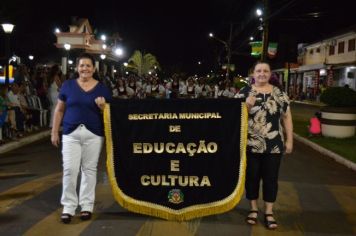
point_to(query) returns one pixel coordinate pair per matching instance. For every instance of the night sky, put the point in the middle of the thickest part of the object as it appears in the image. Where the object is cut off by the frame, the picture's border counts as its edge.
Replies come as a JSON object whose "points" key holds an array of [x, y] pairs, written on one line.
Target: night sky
{"points": [[176, 32]]}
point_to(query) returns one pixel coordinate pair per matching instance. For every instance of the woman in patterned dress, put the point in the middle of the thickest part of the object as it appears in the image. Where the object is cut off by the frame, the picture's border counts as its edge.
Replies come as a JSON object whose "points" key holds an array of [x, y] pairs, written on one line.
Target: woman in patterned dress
{"points": [[270, 134]]}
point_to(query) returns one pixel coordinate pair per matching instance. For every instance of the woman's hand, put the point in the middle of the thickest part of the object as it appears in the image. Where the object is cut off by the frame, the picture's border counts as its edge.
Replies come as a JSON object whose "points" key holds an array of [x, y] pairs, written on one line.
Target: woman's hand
{"points": [[288, 146], [100, 102], [250, 101], [55, 139]]}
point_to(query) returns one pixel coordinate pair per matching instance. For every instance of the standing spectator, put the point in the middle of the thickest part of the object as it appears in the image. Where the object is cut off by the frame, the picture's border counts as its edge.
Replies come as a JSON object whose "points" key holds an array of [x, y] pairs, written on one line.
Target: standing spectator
{"points": [[3, 109], [15, 104], [268, 109], [80, 104], [55, 82], [41, 87]]}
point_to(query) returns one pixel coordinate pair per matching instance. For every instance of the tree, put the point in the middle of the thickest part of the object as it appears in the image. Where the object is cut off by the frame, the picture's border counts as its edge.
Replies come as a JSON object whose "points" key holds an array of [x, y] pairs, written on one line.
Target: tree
{"points": [[143, 64]]}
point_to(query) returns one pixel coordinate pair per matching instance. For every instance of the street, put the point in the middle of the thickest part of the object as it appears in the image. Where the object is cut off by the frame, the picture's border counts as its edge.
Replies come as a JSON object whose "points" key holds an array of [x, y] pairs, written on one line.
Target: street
{"points": [[316, 197]]}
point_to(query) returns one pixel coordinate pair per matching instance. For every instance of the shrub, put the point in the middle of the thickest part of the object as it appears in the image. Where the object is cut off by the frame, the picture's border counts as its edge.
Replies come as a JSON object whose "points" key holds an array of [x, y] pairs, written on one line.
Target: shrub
{"points": [[339, 97]]}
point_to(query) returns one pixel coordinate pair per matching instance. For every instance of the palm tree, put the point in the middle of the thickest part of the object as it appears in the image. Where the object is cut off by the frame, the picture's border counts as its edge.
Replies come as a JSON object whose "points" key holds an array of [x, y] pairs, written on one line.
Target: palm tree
{"points": [[142, 64]]}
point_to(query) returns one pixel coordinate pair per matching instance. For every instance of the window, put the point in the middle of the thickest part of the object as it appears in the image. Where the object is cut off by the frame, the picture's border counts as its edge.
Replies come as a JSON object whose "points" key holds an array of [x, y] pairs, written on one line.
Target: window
{"points": [[318, 50], [341, 47], [331, 50], [311, 51], [351, 45]]}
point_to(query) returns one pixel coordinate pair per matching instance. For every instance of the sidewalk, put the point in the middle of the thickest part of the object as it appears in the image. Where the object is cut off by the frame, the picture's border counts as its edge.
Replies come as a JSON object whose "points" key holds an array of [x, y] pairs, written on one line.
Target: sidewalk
{"points": [[29, 138], [326, 152], [46, 133]]}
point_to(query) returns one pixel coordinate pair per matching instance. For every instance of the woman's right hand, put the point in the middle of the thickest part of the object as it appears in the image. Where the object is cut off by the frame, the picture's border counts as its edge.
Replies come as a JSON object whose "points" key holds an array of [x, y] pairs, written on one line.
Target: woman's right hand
{"points": [[250, 101], [55, 139]]}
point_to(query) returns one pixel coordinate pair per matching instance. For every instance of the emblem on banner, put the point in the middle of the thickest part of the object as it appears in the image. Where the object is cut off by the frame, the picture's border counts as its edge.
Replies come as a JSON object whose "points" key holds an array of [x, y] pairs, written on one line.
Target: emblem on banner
{"points": [[175, 196]]}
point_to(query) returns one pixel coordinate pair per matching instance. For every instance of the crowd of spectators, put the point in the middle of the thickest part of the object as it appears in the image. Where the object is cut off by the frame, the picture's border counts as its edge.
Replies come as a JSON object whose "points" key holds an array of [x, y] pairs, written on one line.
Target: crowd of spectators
{"points": [[27, 104]]}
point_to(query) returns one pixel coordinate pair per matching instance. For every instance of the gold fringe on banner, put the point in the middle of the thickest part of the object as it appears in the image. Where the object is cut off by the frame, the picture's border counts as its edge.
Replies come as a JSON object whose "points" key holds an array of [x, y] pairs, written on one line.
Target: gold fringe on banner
{"points": [[187, 213]]}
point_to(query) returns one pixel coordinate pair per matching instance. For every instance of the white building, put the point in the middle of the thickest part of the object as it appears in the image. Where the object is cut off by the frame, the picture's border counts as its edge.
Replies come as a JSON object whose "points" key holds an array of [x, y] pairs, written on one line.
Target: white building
{"points": [[81, 38], [330, 62]]}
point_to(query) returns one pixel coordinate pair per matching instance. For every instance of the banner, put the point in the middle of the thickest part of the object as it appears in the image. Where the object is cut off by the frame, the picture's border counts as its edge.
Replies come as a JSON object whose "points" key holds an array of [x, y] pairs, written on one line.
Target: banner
{"points": [[272, 50], [257, 47], [176, 159], [3, 74]]}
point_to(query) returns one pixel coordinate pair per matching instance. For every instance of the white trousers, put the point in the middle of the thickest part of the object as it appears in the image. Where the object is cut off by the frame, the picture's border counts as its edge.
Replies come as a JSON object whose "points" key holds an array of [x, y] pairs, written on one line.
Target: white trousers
{"points": [[81, 151]]}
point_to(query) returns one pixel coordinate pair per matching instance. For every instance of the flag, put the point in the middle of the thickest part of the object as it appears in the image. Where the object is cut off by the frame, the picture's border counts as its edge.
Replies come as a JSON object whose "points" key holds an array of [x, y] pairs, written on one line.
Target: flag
{"points": [[176, 159]]}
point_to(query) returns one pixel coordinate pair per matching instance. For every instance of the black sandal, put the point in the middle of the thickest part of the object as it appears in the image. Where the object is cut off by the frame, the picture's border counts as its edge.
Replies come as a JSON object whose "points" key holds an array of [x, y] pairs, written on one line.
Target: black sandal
{"points": [[269, 223], [66, 218], [85, 215], [253, 219]]}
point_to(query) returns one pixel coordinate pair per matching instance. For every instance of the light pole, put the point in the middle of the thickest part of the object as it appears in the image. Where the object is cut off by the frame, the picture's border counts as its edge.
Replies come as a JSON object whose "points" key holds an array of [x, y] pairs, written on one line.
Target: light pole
{"points": [[119, 52], [8, 28], [265, 26], [227, 48]]}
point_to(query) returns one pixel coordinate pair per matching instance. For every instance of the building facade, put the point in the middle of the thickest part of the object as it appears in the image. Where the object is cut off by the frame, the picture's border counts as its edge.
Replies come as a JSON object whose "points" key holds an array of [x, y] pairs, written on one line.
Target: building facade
{"points": [[329, 62]]}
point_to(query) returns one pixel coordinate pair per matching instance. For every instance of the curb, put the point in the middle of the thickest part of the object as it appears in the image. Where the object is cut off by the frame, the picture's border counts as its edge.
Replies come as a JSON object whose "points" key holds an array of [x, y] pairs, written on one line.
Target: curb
{"points": [[316, 104], [24, 141], [326, 152]]}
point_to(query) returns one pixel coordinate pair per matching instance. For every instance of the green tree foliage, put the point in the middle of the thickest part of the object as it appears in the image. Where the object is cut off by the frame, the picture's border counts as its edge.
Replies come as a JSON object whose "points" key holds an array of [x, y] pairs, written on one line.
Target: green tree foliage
{"points": [[141, 64]]}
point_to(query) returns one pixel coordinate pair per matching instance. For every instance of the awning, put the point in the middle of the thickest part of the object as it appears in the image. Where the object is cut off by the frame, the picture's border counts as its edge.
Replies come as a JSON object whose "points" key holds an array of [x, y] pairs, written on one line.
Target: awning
{"points": [[312, 67]]}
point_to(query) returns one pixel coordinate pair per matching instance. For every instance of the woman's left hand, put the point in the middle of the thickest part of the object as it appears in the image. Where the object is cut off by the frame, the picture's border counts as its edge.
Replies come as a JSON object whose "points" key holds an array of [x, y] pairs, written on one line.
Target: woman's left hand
{"points": [[100, 102], [288, 147]]}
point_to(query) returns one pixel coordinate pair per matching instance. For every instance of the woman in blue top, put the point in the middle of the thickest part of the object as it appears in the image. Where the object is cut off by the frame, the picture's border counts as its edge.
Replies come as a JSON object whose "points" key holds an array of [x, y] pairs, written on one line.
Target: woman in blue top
{"points": [[79, 107]]}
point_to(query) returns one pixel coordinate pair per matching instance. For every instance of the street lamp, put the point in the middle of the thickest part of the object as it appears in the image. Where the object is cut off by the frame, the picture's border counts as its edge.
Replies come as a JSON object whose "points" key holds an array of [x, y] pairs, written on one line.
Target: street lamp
{"points": [[8, 28], [259, 12], [118, 51]]}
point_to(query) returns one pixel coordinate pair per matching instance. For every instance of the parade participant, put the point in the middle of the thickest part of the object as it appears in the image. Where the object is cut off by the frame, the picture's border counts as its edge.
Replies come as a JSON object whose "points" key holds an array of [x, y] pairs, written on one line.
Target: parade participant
{"points": [[202, 89], [122, 91], [155, 89], [269, 113], [80, 104], [189, 90]]}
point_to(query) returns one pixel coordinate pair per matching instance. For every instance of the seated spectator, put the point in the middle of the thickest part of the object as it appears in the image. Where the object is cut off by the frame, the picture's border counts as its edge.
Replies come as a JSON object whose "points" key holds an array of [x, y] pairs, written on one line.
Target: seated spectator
{"points": [[315, 127], [14, 103]]}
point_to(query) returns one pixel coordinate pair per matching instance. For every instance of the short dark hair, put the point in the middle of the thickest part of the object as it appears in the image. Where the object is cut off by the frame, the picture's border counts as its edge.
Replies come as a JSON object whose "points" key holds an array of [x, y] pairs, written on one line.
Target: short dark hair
{"points": [[261, 62], [86, 56]]}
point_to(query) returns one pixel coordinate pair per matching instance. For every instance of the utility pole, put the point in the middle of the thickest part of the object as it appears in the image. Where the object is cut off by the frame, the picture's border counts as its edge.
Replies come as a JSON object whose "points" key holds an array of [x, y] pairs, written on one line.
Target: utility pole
{"points": [[265, 30], [227, 45], [228, 49]]}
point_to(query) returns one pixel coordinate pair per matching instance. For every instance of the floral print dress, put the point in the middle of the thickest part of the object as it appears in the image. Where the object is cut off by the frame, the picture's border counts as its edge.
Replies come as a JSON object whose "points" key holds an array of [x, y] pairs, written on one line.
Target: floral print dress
{"points": [[265, 130]]}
